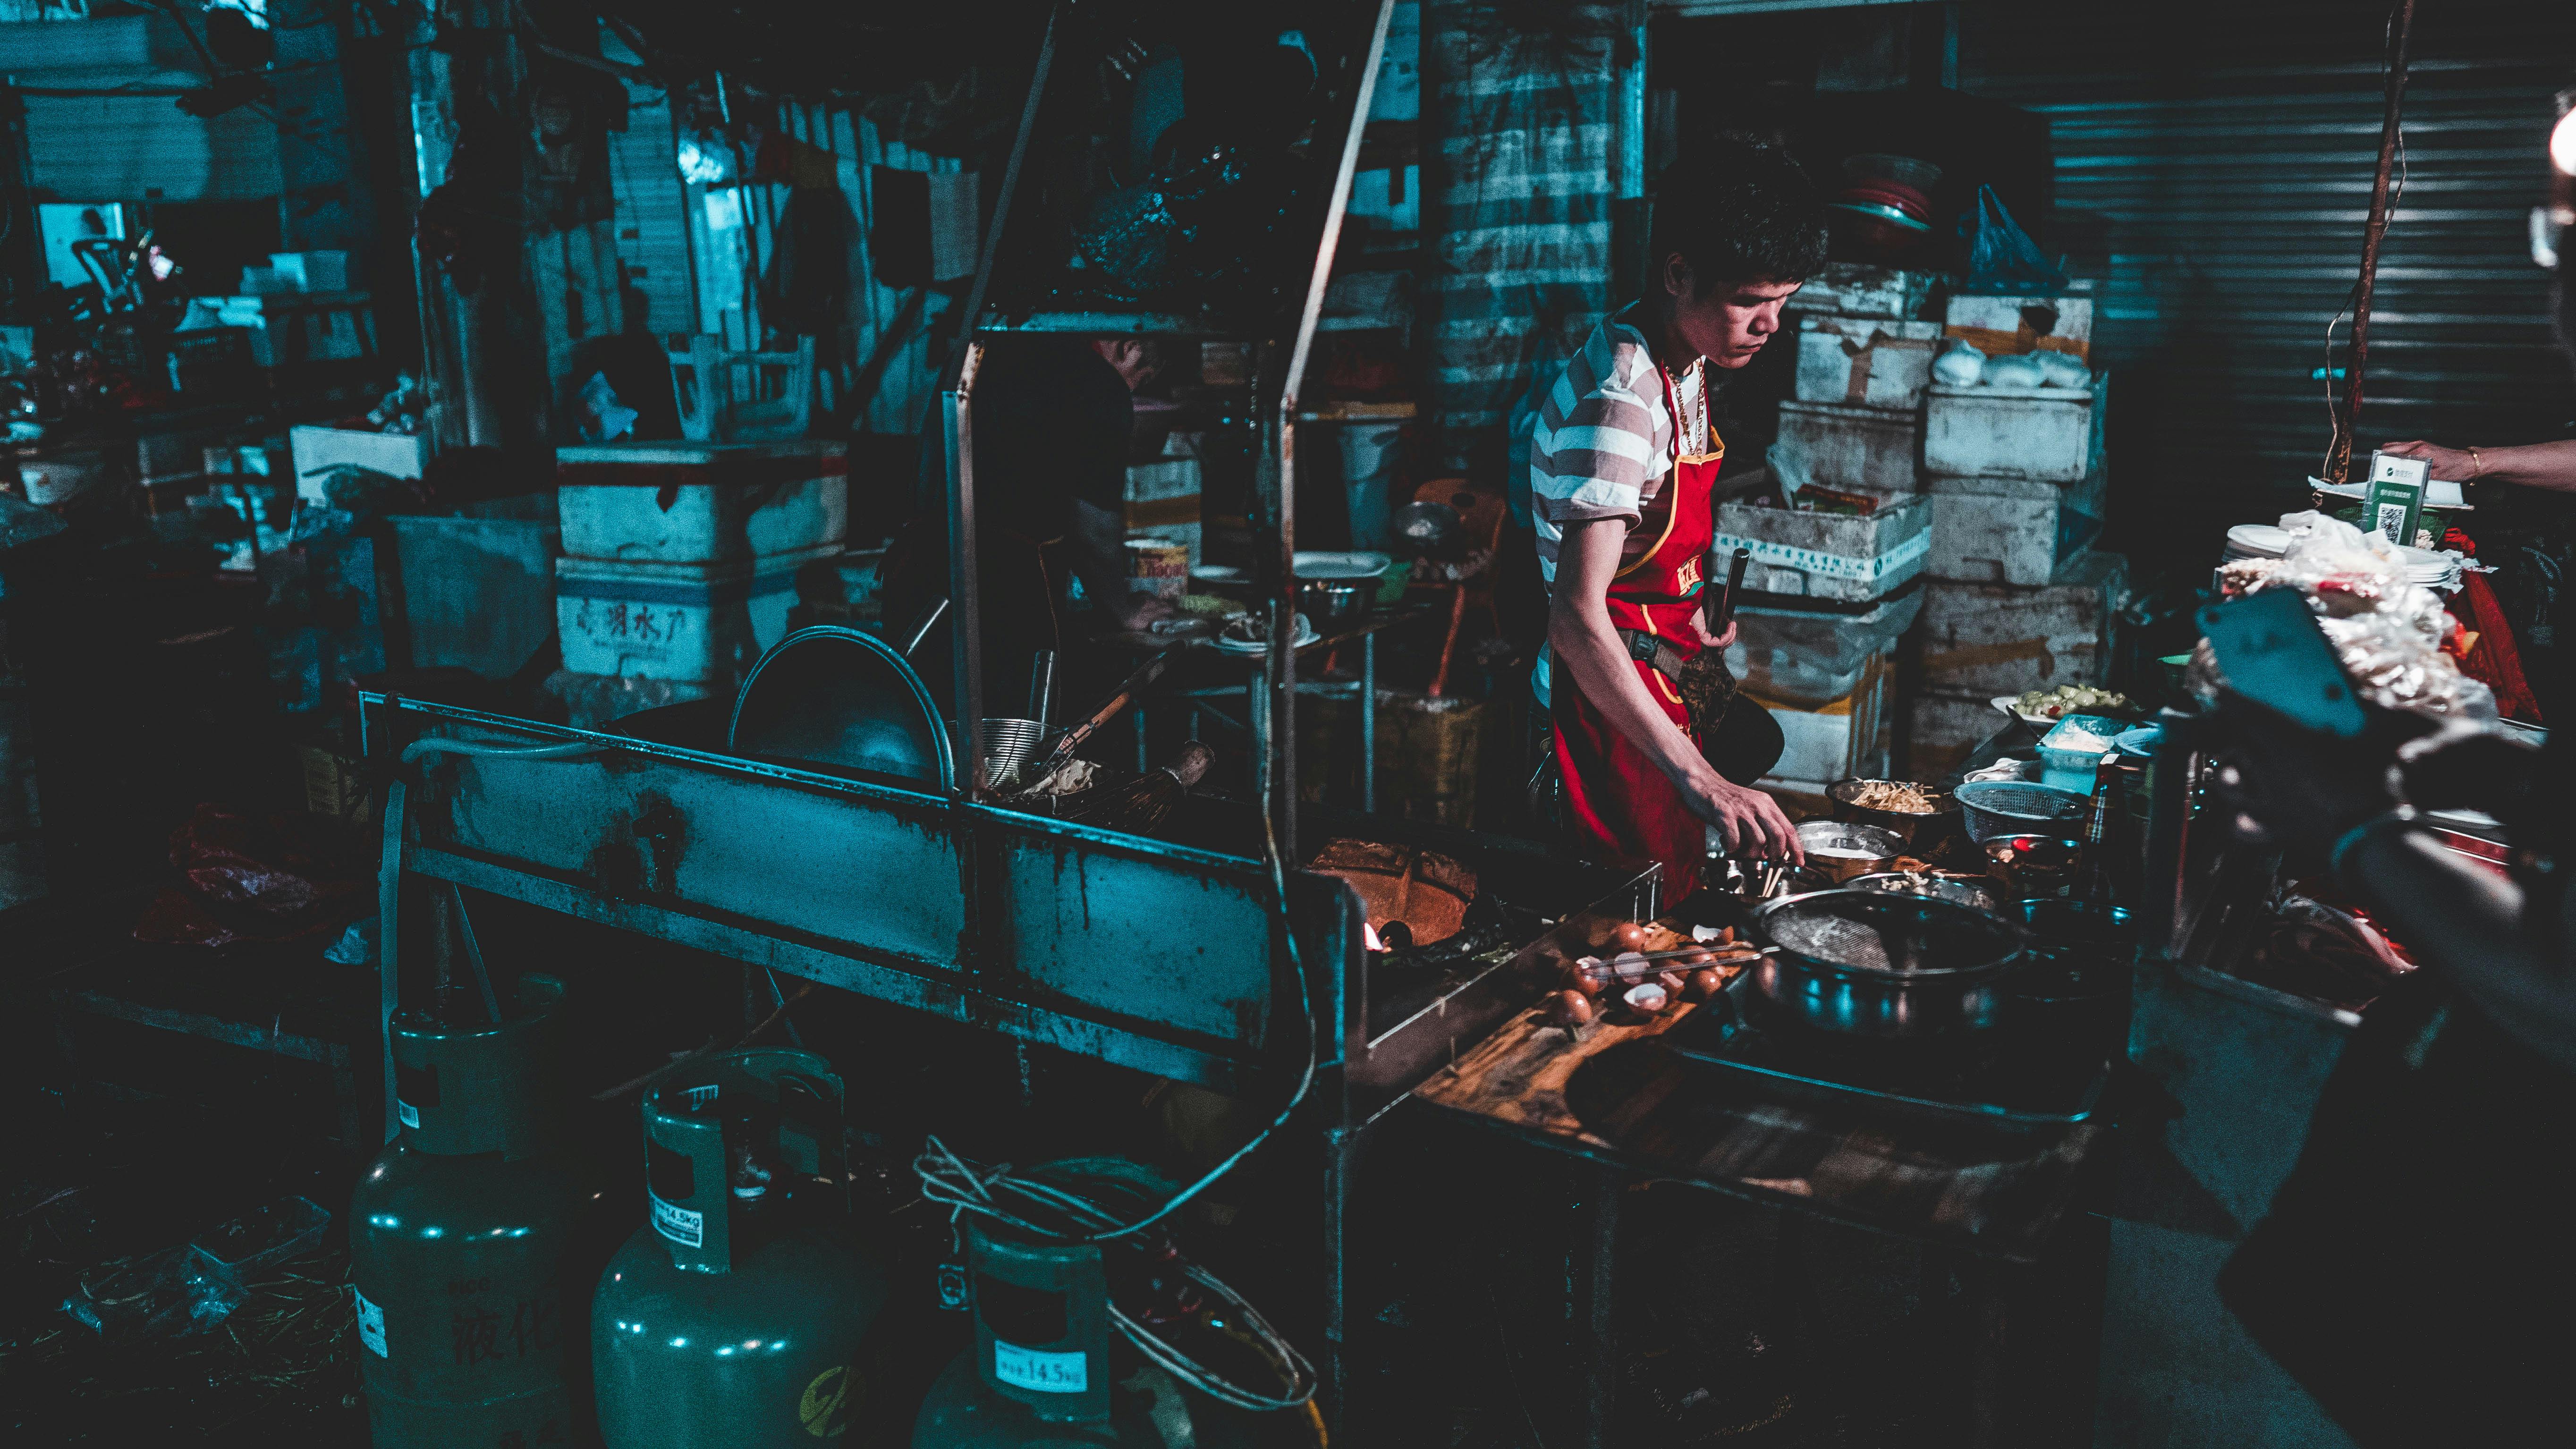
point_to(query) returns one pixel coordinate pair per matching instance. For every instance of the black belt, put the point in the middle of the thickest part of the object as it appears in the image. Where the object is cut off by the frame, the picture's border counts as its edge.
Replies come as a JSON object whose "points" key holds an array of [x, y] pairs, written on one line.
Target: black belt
{"points": [[1647, 649]]}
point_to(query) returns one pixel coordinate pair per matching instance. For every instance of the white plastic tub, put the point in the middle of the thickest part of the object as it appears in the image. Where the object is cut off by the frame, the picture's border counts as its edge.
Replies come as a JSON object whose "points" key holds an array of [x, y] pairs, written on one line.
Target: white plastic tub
{"points": [[2044, 434], [701, 503], [695, 623]]}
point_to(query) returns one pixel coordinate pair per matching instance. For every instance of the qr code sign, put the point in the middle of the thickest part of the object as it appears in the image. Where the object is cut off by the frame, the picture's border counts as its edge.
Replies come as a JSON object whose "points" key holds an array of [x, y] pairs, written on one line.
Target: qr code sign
{"points": [[2391, 523]]}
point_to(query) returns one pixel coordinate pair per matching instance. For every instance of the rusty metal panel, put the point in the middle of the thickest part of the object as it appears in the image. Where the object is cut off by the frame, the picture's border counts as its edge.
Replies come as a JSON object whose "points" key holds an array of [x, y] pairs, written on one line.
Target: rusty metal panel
{"points": [[1163, 935]]}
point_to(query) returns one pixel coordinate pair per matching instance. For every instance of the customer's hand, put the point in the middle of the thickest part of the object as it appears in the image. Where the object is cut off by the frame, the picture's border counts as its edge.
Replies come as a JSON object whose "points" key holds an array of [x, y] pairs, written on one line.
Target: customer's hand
{"points": [[1749, 821], [2302, 787], [2451, 465]]}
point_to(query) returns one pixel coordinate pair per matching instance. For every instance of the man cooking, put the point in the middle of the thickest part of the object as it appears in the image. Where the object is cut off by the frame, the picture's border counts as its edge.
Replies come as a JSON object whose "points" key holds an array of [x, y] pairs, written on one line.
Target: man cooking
{"points": [[1053, 418], [1622, 467]]}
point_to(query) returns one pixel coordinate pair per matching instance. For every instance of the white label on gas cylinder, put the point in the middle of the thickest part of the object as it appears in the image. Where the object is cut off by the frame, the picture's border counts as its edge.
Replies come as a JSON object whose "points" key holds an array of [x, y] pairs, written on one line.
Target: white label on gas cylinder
{"points": [[681, 1225], [371, 1324], [410, 1114], [1046, 1373]]}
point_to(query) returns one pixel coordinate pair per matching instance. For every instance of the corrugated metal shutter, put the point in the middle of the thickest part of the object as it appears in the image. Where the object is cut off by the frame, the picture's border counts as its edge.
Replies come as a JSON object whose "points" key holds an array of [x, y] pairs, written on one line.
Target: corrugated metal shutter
{"points": [[2214, 164], [1519, 158]]}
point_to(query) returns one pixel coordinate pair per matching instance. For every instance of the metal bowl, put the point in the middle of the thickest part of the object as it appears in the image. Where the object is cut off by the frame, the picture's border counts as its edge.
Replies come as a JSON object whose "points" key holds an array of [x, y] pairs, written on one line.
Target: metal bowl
{"points": [[1975, 891], [2013, 807], [1838, 850], [1911, 828], [1333, 607], [2034, 866], [842, 699]]}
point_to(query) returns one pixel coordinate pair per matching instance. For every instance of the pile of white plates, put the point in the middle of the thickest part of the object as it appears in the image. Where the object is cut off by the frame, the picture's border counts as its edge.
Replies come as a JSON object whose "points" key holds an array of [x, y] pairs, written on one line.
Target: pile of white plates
{"points": [[2432, 569]]}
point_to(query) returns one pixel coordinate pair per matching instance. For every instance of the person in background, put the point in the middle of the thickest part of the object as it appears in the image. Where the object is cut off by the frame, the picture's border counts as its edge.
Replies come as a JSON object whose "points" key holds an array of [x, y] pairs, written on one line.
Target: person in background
{"points": [[1053, 419], [2534, 465], [2411, 1273], [1622, 467]]}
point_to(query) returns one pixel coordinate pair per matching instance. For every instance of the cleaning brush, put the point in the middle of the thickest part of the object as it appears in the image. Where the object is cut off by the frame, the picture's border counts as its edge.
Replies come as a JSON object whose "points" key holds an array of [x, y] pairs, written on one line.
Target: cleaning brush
{"points": [[1150, 798]]}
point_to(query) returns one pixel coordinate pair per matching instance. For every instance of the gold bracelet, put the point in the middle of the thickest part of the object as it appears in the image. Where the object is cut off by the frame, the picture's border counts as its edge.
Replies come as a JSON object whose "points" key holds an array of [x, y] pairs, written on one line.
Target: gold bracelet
{"points": [[2477, 466]]}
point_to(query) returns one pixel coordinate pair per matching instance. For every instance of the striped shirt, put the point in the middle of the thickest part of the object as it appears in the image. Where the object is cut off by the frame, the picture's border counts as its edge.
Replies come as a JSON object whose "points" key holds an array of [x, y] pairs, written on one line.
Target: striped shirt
{"points": [[1603, 444]]}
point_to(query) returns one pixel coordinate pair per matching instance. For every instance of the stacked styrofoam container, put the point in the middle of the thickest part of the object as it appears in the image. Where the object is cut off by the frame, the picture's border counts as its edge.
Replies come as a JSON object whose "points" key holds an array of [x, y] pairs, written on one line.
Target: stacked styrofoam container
{"points": [[680, 559], [1830, 593], [2015, 597]]}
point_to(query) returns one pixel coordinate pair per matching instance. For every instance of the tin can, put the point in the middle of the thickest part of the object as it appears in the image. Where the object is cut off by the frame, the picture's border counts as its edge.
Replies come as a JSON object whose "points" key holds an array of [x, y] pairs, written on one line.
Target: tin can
{"points": [[1158, 567]]}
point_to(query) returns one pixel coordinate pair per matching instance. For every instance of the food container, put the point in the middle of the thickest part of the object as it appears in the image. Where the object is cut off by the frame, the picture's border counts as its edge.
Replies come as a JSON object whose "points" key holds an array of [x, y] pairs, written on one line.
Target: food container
{"points": [[1882, 965], [1158, 567], [1333, 607], [2011, 807], [698, 623], [700, 502], [2074, 749], [1839, 850], [2034, 866], [1910, 828]]}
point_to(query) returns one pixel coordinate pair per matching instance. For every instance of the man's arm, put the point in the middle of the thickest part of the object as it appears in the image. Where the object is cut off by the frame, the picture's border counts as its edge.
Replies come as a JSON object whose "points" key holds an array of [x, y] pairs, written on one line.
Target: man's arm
{"points": [[2536, 465], [1580, 634], [1097, 544]]}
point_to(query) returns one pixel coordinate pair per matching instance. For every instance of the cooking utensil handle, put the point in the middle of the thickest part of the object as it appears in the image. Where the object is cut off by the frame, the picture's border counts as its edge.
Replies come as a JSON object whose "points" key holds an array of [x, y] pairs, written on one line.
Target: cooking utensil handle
{"points": [[1721, 610], [1151, 670], [929, 620]]}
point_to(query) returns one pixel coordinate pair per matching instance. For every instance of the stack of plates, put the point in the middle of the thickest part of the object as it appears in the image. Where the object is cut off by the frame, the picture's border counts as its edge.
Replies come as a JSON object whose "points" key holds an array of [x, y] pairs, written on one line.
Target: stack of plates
{"points": [[2256, 540], [2263, 540]]}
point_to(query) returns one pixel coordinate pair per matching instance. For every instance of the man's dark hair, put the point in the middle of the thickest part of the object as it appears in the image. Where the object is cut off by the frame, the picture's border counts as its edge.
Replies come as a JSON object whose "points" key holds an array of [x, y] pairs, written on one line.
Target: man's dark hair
{"points": [[1738, 210]]}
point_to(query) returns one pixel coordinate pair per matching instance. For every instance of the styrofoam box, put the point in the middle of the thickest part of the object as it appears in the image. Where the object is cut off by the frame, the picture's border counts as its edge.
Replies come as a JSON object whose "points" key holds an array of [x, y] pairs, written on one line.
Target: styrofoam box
{"points": [[1997, 325], [1982, 640], [1857, 289], [694, 622], [1947, 728], [1849, 737], [2045, 434], [1994, 538], [316, 450], [1865, 361], [701, 502], [1833, 556], [1858, 450]]}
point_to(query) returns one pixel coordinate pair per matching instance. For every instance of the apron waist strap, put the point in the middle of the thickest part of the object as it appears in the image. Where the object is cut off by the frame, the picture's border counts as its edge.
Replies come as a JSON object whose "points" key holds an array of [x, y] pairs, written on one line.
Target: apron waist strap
{"points": [[1645, 648]]}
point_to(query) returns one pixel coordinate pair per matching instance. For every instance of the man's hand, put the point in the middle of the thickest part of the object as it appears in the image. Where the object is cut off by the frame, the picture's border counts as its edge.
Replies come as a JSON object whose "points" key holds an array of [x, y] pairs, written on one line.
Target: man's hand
{"points": [[1699, 626], [2451, 465], [1137, 612], [1750, 822]]}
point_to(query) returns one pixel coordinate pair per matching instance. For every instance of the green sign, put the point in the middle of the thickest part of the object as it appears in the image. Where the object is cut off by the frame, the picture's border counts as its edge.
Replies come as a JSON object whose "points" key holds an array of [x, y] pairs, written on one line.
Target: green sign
{"points": [[2395, 506]]}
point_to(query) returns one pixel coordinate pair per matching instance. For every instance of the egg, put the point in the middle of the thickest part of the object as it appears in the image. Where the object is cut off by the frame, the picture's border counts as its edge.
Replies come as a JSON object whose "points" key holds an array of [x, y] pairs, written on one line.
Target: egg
{"points": [[1704, 983], [1628, 936], [1569, 1008]]}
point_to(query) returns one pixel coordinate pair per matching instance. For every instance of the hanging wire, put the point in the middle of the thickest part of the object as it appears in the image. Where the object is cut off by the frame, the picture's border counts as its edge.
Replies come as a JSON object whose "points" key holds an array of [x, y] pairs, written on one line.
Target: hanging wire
{"points": [[1048, 1213]]}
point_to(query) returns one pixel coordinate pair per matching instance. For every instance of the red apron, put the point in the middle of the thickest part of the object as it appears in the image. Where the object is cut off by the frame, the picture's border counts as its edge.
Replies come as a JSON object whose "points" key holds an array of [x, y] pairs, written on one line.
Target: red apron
{"points": [[1618, 804]]}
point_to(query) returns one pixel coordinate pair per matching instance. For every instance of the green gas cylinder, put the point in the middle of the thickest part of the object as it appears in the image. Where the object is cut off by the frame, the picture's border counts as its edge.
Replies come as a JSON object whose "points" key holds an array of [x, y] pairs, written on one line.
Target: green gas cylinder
{"points": [[736, 1317], [1044, 1372], [457, 1234]]}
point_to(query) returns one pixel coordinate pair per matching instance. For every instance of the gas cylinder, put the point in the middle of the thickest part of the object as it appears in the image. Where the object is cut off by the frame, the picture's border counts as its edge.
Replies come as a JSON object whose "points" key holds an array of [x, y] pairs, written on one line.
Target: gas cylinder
{"points": [[457, 1235], [1044, 1370], [737, 1316]]}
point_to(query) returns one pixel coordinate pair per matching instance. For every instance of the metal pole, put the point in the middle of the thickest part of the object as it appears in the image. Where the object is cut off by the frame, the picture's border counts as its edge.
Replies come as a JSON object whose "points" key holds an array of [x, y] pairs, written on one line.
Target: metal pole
{"points": [[2347, 422], [1368, 723], [966, 644], [1281, 440]]}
